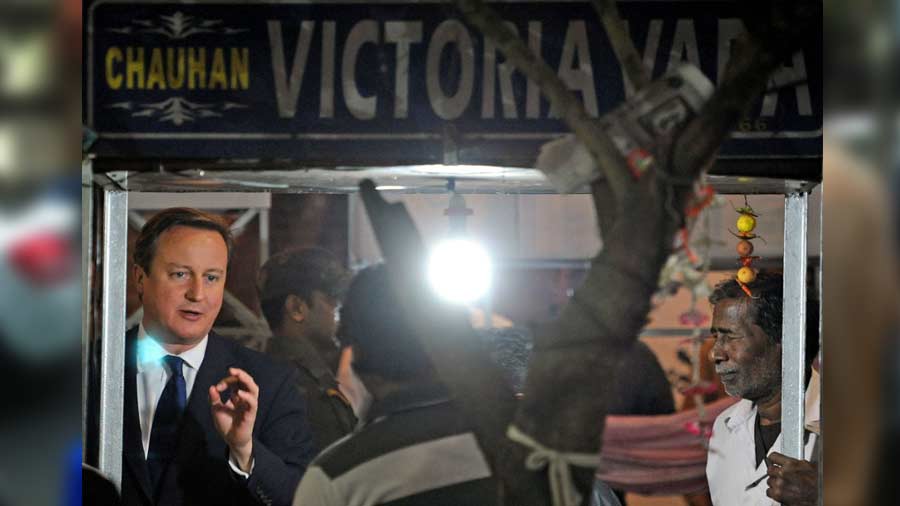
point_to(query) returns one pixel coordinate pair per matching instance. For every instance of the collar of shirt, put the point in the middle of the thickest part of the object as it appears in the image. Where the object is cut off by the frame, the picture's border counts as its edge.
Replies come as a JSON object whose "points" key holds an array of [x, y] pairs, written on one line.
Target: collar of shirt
{"points": [[150, 352], [414, 397], [153, 374], [741, 413], [812, 403]]}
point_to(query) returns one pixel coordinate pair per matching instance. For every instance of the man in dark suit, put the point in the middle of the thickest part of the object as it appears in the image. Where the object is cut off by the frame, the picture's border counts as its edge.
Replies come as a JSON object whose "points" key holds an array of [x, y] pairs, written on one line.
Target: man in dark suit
{"points": [[207, 421]]}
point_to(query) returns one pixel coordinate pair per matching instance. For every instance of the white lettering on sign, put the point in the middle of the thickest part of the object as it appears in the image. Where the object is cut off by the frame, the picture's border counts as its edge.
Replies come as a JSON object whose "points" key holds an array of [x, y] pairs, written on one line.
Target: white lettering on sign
{"points": [[651, 46], [450, 33], [402, 33], [363, 32], [795, 73], [490, 72], [449, 69], [287, 90], [581, 77], [729, 30], [684, 45]]}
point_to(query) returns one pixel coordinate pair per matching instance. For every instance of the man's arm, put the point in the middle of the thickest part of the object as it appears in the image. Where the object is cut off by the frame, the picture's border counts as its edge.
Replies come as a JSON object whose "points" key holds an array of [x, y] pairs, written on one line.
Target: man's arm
{"points": [[792, 482], [283, 446]]}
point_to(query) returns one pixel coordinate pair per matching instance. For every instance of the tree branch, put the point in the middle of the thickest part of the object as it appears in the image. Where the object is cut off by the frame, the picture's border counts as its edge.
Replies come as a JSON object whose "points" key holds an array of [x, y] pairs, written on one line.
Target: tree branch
{"points": [[562, 99], [633, 69], [605, 205], [745, 78]]}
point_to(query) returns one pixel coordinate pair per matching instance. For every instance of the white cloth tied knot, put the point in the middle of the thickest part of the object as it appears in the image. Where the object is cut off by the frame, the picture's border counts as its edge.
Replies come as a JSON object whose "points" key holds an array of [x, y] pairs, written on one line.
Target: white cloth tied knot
{"points": [[561, 486]]}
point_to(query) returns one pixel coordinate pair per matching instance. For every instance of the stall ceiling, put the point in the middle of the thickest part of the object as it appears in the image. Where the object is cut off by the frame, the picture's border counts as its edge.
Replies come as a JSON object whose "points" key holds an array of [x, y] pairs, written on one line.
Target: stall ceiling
{"points": [[402, 179]]}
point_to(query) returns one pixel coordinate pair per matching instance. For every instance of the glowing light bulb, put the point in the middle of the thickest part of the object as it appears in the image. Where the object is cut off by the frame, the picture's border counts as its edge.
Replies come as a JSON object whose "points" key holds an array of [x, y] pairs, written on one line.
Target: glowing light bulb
{"points": [[459, 270]]}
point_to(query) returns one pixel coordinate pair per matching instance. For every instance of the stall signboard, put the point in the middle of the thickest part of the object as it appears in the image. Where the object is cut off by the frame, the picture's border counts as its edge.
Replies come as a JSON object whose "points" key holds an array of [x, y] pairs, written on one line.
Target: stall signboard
{"points": [[377, 83]]}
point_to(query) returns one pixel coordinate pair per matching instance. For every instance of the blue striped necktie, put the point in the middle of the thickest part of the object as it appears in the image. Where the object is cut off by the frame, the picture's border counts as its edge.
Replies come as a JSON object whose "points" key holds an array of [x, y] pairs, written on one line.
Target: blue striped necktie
{"points": [[166, 420]]}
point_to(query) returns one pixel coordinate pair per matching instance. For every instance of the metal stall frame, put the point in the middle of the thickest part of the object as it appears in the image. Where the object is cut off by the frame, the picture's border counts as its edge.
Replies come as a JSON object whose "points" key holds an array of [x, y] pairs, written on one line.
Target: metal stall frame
{"points": [[87, 253], [793, 365], [116, 184], [113, 266]]}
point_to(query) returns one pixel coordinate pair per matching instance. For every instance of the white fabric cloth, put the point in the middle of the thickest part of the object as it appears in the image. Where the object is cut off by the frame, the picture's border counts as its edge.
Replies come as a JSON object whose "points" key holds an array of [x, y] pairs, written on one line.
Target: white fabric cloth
{"points": [[152, 376], [731, 464], [562, 488]]}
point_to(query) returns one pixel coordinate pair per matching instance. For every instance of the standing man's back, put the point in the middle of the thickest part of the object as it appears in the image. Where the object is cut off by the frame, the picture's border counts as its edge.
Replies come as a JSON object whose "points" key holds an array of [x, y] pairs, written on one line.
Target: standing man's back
{"points": [[415, 447]]}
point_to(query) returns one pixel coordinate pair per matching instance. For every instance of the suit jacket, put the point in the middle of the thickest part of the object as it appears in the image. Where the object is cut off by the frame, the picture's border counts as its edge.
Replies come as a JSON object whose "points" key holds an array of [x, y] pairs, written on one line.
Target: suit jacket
{"points": [[200, 474]]}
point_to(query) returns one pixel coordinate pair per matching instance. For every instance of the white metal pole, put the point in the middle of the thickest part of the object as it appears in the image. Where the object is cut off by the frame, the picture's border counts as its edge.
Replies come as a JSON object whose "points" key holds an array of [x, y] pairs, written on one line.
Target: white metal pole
{"points": [[821, 291], [794, 324], [87, 250], [112, 361], [263, 236]]}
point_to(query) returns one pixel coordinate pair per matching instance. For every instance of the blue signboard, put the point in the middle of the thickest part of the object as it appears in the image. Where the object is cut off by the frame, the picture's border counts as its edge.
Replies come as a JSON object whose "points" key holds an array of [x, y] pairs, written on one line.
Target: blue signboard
{"points": [[350, 82]]}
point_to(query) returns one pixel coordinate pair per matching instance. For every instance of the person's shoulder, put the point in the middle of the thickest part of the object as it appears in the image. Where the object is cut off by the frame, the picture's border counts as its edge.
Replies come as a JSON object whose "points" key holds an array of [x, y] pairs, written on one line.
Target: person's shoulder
{"points": [[262, 367], [721, 445], [338, 456], [740, 408]]}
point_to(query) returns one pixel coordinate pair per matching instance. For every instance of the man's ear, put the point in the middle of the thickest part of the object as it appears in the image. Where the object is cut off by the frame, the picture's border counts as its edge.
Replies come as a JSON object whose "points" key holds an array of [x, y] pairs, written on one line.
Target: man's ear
{"points": [[295, 308], [139, 276]]}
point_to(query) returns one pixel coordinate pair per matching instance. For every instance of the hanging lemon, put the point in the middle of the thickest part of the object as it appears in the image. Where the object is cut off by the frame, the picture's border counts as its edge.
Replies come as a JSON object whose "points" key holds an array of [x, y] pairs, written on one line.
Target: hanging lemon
{"points": [[746, 223], [746, 275]]}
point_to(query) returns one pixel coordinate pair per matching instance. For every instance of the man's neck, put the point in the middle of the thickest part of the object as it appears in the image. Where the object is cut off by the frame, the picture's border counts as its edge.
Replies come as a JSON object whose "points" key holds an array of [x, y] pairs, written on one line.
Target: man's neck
{"points": [[769, 408], [177, 349], [171, 348], [327, 351], [331, 355]]}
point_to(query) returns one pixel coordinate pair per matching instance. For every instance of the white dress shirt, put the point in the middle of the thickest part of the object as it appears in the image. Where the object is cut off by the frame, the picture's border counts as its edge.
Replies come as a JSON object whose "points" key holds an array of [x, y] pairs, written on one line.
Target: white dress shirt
{"points": [[731, 463], [152, 376]]}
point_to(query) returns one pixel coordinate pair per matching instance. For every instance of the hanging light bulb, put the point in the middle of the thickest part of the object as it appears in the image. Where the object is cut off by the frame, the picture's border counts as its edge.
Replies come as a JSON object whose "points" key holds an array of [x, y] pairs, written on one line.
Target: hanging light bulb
{"points": [[459, 269]]}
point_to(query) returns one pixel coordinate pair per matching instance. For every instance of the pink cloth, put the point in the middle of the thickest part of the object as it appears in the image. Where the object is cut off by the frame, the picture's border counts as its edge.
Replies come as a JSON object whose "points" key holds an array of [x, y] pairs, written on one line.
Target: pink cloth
{"points": [[657, 455]]}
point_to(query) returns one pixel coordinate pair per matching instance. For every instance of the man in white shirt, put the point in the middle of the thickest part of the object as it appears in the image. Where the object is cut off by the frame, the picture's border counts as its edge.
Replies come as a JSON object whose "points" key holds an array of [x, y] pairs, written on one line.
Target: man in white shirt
{"points": [[743, 466], [207, 421]]}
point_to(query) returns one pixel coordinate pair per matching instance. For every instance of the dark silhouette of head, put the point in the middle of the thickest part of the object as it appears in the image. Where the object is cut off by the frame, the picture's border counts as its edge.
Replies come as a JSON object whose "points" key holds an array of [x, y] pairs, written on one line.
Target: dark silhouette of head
{"points": [[373, 322]]}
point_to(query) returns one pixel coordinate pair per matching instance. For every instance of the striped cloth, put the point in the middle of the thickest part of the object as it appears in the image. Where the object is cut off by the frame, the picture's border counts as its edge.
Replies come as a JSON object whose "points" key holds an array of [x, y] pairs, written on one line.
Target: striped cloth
{"points": [[657, 455], [417, 450]]}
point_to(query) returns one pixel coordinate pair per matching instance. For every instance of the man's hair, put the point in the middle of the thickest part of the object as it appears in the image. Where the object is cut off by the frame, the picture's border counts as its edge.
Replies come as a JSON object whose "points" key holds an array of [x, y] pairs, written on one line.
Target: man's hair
{"points": [[147, 241], [373, 322], [766, 306], [298, 272]]}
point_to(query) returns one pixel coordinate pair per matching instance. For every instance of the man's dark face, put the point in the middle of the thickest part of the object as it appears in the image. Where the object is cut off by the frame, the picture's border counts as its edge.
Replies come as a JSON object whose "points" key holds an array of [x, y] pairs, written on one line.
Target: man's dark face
{"points": [[746, 359], [322, 319]]}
